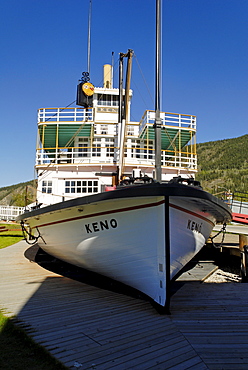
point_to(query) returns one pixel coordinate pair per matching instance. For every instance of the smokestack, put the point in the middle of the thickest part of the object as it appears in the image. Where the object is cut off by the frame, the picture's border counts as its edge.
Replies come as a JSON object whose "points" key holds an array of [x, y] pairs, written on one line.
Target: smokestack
{"points": [[107, 76]]}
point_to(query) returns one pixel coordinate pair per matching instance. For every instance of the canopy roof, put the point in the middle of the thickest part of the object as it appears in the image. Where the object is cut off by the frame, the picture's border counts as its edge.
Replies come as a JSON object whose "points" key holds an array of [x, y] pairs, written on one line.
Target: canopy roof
{"points": [[60, 135], [172, 138]]}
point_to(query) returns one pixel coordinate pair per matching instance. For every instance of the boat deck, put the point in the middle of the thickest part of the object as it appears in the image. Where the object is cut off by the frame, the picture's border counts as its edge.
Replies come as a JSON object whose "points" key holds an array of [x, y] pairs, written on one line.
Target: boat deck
{"points": [[91, 328]]}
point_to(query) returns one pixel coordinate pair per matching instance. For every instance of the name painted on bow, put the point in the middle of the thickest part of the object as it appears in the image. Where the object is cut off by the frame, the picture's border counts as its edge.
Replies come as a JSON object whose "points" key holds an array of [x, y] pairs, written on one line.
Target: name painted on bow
{"points": [[194, 226], [94, 227]]}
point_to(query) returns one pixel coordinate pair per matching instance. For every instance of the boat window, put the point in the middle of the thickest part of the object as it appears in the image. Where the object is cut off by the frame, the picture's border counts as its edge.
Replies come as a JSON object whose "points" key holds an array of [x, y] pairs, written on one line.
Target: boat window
{"points": [[130, 130], [135, 149], [96, 149], [82, 150], [81, 186], [151, 152], [115, 100], [47, 186], [83, 147], [104, 129], [108, 100], [110, 146]]}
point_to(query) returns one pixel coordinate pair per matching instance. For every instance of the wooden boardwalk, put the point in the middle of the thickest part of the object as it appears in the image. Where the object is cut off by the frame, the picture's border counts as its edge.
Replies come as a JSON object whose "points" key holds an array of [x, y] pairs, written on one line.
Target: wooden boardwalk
{"points": [[87, 327]]}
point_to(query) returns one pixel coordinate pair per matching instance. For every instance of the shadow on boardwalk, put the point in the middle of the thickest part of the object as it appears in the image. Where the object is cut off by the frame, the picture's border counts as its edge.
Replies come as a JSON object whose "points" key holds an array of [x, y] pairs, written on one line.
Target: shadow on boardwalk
{"points": [[87, 325]]}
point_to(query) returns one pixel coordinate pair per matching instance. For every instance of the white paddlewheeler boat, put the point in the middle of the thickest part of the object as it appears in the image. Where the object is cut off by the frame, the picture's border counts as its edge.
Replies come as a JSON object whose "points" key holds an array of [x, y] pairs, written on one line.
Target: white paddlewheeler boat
{"points": [[98, 206]]}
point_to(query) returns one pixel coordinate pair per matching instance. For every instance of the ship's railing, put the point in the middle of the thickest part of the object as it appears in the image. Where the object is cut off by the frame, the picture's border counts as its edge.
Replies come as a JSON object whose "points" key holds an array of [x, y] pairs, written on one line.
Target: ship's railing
{"points": [[179, 159], [169, 119], [239, 206], [9, 213], [169, 158], [65, 114], [133, 156], [238, 201]]}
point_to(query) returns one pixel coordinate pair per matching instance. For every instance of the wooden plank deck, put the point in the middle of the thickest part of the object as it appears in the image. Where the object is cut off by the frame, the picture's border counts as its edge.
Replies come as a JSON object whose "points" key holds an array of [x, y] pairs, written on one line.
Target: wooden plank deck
{"points": [[91, 328]]}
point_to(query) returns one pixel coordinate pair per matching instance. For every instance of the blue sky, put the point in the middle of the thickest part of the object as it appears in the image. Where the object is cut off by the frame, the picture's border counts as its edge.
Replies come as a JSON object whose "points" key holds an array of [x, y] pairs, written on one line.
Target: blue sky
{"points": [[44, 51]]}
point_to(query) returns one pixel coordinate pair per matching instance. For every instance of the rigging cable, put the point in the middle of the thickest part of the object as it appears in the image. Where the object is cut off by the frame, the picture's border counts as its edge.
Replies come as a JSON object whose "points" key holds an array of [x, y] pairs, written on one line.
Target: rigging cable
{"points": [[137, 87], [143, 77]]}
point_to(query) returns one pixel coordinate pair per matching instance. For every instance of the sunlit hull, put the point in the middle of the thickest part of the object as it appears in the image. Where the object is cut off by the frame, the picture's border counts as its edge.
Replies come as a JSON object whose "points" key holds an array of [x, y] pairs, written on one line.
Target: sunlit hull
{"points": [[141, 236]]}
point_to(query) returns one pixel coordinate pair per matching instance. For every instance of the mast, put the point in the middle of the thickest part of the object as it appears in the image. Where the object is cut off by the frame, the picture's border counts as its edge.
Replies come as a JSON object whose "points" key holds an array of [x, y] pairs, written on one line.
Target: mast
{"points": [[123, 110], [121, 87], [85, 89], [128, 83], [157, 124]]}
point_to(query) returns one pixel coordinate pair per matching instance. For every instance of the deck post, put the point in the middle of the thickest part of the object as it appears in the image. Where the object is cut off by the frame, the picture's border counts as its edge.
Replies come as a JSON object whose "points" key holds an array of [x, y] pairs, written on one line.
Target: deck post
{"points": [[243, 246], [167, 255], [157, 123]]}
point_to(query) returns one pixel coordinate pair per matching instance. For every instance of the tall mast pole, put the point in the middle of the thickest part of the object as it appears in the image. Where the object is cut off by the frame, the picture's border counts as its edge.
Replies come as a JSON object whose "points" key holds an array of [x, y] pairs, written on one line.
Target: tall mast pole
{"points": [[89, 35], [157, 124], [123, 110], [129, 55], [121, 87]]}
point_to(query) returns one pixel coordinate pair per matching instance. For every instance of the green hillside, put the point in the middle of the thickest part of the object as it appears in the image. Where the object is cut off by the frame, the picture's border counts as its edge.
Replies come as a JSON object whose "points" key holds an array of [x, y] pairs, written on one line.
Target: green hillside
{"points": [[223, 165], [18, 194]]}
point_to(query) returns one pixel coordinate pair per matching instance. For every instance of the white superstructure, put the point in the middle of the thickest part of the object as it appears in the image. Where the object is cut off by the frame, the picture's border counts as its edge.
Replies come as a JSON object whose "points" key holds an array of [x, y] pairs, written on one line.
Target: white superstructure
{"points": [[78, 148]]}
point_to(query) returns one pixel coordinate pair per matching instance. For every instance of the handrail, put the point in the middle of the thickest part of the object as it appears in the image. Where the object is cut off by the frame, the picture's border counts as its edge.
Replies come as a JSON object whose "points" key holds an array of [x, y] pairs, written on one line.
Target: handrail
{"points": [[237, 201], [177, 120], [103, 154], [51, 115]]}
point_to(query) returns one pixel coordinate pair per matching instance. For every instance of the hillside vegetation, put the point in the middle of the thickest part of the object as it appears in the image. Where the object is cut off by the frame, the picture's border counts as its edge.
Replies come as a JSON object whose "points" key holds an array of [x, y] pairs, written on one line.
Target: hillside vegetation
{"points": [[19, 194], [222, 166]]}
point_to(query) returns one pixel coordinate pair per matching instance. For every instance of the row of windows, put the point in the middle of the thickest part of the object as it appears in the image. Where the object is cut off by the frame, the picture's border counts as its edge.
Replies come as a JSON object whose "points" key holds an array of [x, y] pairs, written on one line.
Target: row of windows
{"points": [[83, 150], [106, 130], [107, 139], [109, 100], [142, 142], [137, 152], [81, 186], [73, 186], [84, 146], [139, 149], [107, 142]]}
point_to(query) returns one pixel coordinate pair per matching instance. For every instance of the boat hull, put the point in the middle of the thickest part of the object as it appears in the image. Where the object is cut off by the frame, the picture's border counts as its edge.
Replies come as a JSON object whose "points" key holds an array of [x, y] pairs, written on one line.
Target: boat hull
{"points": [[142, 241]]}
